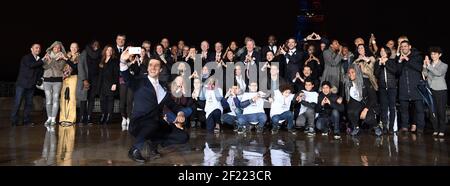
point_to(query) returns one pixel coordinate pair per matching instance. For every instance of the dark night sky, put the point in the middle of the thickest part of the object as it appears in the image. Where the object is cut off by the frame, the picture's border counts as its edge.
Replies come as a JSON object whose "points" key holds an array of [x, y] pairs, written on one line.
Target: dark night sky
{"points": [[191, 21]]}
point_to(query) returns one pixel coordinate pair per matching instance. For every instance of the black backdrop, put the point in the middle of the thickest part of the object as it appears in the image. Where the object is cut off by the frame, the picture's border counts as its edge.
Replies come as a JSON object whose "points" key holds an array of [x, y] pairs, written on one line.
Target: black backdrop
{"points": [[23, 23]]}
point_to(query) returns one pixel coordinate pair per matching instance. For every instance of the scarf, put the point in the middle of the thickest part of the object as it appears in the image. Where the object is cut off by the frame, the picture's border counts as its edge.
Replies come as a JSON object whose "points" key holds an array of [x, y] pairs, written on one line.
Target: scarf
{"points": [[358, 81]]}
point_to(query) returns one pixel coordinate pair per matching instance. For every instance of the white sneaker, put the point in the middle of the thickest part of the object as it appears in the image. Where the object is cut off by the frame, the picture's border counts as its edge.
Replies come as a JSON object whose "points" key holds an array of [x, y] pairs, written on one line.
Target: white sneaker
{"points": [[124, 122]]}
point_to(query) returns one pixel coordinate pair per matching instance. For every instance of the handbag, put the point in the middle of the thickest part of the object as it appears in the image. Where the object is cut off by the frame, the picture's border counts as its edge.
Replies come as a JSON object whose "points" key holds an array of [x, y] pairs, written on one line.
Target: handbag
{"points": [[40, 83]]}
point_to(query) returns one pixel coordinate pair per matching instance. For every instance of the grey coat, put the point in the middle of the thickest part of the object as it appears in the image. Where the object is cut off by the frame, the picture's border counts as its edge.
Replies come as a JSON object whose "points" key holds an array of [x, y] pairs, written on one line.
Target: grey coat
{"points": [[332, 69], [436, 76], [82, 75]]}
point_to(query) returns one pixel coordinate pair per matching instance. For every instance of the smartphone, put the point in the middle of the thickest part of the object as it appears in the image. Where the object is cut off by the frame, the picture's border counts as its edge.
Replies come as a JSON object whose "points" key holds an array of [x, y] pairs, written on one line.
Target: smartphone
{"points": [[134, 50]]}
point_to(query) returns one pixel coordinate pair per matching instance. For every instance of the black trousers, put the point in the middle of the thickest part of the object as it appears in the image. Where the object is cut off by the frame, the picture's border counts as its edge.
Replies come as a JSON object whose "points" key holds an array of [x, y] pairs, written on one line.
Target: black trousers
{"points": [[92, 93], [418, 116], [387, 100], [107, 104], [156, 130], [440, 104], [354, 109], [126, 100]]}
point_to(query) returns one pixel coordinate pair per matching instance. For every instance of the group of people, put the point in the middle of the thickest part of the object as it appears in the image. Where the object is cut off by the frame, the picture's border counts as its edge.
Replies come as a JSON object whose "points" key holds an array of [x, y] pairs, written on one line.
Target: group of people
{"points": [[316, 85]]}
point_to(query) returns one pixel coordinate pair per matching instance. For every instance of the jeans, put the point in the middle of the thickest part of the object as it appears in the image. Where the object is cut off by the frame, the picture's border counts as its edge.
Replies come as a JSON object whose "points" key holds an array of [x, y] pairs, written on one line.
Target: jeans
{"points": [[229, 119], [387, 101], [212, 120], [261, 118], [324, 121], [307, 116], [52, 92], [172, 116], [28, 94], [287, 116]]}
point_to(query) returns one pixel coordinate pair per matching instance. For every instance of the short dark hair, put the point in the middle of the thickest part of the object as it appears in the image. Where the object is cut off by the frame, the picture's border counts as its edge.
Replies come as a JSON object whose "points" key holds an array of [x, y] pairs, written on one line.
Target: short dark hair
{"points": [[292, 39], [387, 50], [32, 45], [435, 49], [406, 41], [308, 79], [121, 35], [327, 83], [285, 87]]}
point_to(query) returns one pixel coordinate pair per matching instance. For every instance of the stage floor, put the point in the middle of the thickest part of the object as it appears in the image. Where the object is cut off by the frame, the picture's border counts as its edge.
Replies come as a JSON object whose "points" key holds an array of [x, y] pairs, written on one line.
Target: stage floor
{"points": [[103, 146]]}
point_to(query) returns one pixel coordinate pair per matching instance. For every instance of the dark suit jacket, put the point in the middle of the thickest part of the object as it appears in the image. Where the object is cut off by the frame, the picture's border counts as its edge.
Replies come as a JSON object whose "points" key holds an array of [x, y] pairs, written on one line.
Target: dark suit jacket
{"points": [[288, 70], [264, 51], [145, 102], [210, 57], [257, 57], [29, 71], [117, 50]]}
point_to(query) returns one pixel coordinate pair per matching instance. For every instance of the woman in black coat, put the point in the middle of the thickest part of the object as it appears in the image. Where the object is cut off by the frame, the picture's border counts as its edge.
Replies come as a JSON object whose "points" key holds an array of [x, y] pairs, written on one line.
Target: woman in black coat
{"points": [[108, 82]]}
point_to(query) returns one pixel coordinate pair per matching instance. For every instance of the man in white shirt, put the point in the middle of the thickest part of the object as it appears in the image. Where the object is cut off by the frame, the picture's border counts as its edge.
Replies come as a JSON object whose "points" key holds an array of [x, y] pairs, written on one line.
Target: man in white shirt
{"points": [[232, 111], [308, 101], [253, 106], [280, 109]]}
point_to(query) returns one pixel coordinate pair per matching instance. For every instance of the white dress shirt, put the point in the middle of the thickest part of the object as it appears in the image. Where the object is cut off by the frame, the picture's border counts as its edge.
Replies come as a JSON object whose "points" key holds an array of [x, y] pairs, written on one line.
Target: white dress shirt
{"points": [[160, 92]]}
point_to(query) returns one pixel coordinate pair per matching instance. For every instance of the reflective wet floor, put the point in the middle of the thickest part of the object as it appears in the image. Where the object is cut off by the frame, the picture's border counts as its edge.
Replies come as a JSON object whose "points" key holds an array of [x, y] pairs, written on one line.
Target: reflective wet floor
{"points": [[103, 146]]}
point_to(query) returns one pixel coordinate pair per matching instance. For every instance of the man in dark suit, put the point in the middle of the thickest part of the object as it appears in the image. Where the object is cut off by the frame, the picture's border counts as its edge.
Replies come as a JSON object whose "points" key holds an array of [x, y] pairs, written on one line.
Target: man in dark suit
{"points": [[30, 69], [251, 59], [271, 46], [218, 54], [147, 122], [120, 44], [207, 56], [291, 60]]}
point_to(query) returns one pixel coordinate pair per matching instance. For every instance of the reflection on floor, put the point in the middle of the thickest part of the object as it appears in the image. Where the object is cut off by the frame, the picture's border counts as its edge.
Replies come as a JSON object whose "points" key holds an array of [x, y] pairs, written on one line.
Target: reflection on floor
{"points": [[98, 145]]}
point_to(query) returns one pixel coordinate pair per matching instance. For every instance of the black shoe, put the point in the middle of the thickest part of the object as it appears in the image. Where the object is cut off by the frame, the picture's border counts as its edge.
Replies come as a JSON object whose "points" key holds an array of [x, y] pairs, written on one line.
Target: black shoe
{"points": [[259, 129], [385, 130], [30, 124], [83, 121], [419, 131], [89, 120], [102, 119], [107, 119], [292, 131], [135, 155], [153, 151]]}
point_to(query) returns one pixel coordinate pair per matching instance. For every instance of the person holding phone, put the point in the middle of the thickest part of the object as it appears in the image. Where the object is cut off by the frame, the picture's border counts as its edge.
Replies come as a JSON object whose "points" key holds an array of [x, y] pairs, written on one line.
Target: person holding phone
{"points": [[147, 124]]}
